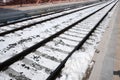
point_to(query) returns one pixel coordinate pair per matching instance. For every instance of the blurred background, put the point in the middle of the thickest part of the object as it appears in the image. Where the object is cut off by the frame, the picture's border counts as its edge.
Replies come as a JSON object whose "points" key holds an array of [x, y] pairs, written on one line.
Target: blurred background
{"points": [[21, 2]]}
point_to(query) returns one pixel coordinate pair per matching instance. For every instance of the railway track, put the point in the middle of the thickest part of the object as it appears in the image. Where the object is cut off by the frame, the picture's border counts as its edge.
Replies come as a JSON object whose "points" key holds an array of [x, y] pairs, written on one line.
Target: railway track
{"points": [[33, 52], [46, 11], [22, 24]]}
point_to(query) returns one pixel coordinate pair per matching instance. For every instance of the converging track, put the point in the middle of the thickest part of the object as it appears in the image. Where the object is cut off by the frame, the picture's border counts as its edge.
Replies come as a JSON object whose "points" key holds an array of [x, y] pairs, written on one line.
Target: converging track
{"points": [[25, 23], [39, 48], [47, 11]]}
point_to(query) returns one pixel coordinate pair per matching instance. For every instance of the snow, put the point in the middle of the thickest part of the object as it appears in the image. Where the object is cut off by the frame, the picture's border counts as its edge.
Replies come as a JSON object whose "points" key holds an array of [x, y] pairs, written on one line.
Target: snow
{"points": [[27, 71], [80, 35], [48, 57], [58, 45], [44, 30], [43, 61], [53, 53], [78, 63], [4, 76], [46, 17], [71, 37], [65, 41]]}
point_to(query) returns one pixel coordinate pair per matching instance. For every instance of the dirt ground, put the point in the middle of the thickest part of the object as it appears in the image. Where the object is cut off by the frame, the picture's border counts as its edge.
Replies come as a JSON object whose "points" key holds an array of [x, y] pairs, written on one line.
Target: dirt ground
{"points": [[117, 53]]}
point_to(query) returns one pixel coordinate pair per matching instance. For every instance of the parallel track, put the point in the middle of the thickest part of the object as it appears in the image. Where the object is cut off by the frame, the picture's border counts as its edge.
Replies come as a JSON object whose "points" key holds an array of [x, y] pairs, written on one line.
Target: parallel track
{"points": [[44, 14], [40, 21], [57, 38]]}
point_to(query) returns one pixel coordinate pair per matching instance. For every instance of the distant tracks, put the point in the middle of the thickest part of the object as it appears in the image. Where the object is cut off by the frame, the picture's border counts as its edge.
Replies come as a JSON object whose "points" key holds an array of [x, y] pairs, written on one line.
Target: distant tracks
{"points": [[38, 22]]}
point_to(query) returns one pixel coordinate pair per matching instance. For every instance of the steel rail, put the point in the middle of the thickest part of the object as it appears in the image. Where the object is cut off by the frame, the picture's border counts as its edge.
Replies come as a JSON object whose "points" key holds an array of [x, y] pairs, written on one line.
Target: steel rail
{"points": [[16, 29], [57, 71], [42, 15], [8, 62]]}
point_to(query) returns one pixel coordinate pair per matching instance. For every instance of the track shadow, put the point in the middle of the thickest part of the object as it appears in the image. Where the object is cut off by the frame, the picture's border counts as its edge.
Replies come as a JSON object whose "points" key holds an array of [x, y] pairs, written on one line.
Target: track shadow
{"points": [[117, 73]]}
